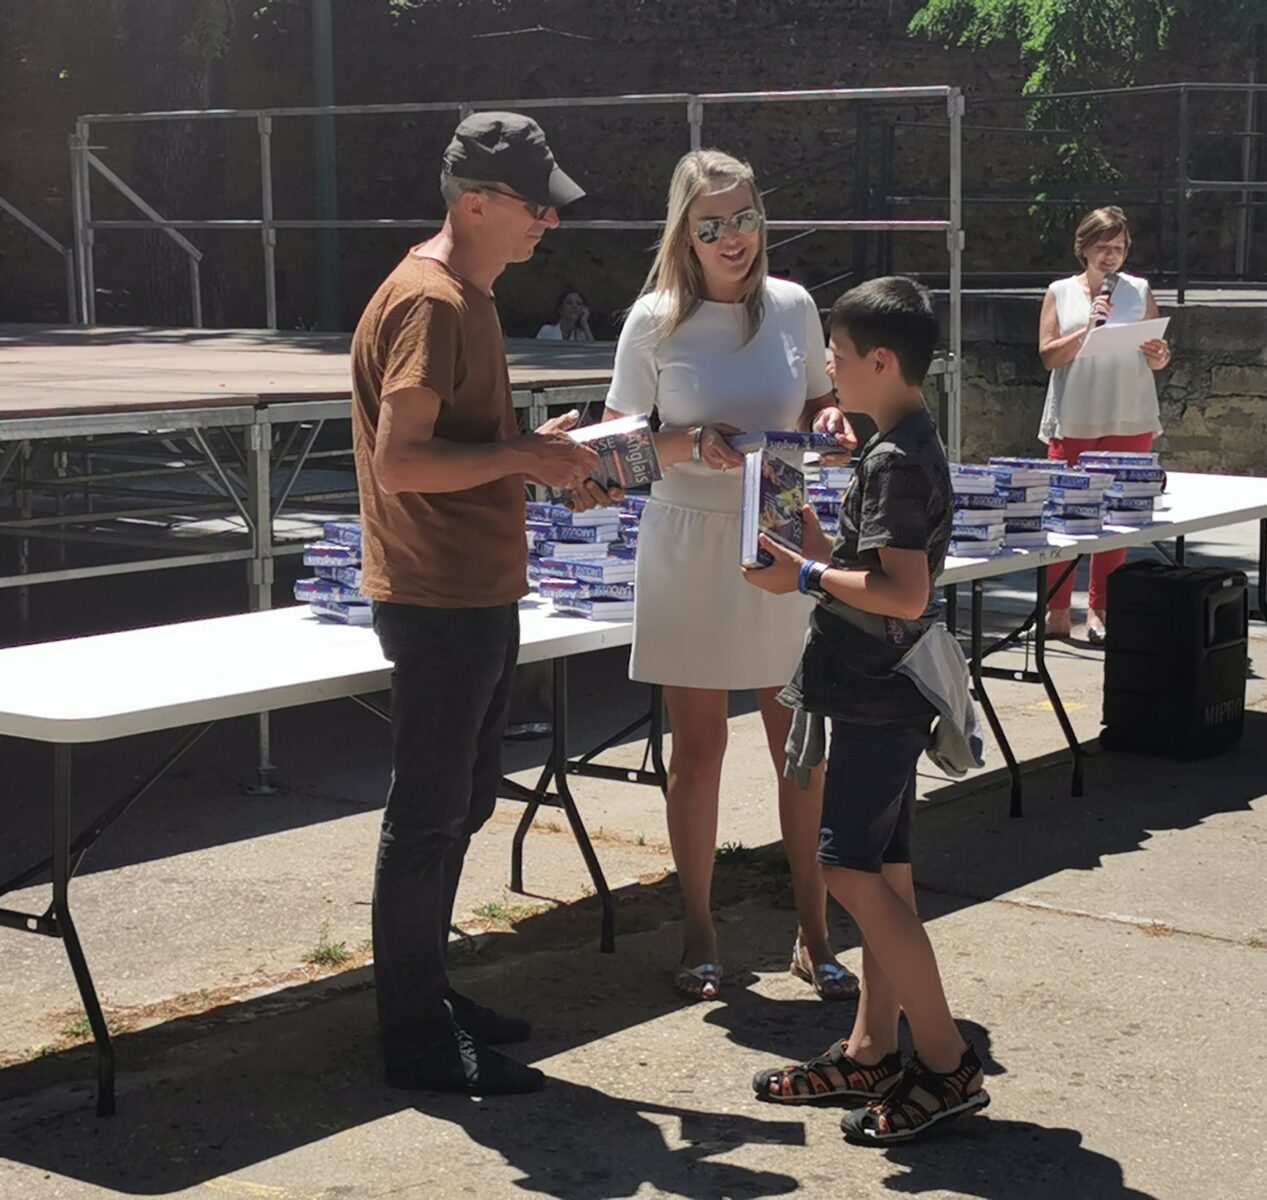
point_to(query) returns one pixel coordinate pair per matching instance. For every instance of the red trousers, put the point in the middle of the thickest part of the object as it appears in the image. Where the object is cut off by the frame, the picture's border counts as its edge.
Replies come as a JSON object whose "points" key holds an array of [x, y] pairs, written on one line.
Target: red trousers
{"points": [[1069, 450]]}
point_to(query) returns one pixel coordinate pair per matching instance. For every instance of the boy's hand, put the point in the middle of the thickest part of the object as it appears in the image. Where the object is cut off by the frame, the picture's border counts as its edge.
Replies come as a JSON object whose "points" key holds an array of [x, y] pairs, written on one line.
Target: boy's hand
{"points": [[782, 575], [832, 420], [818, 545]]}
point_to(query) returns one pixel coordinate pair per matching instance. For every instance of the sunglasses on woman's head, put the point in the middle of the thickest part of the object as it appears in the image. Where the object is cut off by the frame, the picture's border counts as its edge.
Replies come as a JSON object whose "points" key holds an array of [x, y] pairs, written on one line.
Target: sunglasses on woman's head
{"points": [[746, 223]]}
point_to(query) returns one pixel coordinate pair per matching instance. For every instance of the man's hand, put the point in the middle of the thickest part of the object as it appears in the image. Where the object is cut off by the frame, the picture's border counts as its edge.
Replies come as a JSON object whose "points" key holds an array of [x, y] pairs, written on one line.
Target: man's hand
{"points": [[592, 495], [555, 459], [831, 420], [782, 575], [818, 543]]}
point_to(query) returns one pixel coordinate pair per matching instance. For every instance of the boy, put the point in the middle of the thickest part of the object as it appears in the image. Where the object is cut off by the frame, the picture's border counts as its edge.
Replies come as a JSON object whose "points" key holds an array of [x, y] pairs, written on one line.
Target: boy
{"points": [[875, 587]]}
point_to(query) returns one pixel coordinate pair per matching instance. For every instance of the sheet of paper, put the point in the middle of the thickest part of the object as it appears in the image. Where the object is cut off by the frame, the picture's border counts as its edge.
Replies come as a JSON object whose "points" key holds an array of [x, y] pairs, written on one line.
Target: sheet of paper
{"points": [[1122, 339]]}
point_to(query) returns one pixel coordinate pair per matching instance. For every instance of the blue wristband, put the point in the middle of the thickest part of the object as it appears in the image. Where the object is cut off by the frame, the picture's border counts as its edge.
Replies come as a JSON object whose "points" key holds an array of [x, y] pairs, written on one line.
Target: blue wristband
{"points": [[801, 581]]}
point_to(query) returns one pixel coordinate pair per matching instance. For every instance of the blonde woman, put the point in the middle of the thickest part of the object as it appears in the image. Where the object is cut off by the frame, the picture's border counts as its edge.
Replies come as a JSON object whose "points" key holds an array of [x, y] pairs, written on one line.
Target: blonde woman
{"points": [[715, 345]]}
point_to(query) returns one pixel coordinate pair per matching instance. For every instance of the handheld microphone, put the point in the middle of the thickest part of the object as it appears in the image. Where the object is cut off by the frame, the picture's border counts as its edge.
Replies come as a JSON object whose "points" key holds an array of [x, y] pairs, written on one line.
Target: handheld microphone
{"points": [[1106, 291]]}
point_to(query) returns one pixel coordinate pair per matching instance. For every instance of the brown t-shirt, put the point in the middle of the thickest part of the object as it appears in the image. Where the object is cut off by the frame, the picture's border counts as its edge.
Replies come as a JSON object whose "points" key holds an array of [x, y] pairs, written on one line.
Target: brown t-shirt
{"points": [[428, 327]]}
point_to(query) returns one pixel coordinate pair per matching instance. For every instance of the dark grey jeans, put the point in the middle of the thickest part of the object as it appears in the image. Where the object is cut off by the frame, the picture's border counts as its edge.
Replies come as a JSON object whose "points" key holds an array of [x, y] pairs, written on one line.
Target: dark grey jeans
{"points": [[450, 694]]}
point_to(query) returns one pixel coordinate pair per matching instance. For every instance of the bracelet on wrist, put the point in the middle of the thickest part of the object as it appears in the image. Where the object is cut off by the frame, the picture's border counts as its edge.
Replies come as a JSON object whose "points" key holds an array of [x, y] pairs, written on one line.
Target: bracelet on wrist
{"points": [[696, 444]]}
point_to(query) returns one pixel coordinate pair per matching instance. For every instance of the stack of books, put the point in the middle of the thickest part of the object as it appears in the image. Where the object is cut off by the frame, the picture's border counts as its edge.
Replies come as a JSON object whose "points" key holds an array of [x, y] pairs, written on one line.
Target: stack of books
{"points": [[825, 489], [1023, 484], [978, 528], [1075, 503], [583, 563], [1135, 484], [334, 593]]}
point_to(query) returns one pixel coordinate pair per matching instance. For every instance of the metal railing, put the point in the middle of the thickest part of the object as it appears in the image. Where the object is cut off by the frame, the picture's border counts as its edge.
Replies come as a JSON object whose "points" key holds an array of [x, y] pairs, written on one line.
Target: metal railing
{"points": [[84, 162], [1170, 193], [68, 255]]}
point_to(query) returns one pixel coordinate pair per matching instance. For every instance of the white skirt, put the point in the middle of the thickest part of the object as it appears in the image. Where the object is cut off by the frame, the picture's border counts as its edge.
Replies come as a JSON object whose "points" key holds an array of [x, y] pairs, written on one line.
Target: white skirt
{"points": [[697, 622]]}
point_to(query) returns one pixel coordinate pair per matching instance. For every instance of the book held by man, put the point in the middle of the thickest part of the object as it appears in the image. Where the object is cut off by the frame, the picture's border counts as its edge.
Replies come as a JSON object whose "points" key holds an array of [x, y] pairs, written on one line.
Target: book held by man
{"points": [[626, 452]]}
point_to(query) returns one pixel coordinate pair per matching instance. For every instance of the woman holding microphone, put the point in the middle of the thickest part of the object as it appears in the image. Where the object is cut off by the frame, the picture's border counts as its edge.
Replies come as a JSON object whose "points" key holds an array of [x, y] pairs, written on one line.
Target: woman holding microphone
{"points": [[716, 346], [1102, 403]]}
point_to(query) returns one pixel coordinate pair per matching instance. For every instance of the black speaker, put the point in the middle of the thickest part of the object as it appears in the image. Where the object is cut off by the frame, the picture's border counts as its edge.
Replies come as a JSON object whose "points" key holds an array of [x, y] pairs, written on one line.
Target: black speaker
{"points": [[1175, 660]]}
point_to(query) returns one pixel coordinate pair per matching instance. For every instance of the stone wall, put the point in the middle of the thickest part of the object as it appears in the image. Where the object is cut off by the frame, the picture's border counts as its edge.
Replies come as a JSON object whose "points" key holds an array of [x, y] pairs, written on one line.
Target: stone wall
{"points": [[1213, 396]]}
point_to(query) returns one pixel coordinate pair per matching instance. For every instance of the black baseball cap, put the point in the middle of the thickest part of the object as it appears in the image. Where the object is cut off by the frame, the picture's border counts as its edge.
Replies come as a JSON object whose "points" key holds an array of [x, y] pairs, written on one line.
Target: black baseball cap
{"points": [[503, 147]]}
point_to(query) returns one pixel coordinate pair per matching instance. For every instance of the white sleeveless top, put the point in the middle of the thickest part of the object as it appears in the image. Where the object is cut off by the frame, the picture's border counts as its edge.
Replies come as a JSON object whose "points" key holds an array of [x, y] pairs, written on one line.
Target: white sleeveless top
{"points": [[1100, 397]]}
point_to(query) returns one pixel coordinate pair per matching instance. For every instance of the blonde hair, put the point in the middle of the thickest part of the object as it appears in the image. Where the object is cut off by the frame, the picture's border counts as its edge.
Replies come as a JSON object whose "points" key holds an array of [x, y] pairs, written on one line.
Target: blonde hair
{"points": [[676, 273], [1098, 226]]}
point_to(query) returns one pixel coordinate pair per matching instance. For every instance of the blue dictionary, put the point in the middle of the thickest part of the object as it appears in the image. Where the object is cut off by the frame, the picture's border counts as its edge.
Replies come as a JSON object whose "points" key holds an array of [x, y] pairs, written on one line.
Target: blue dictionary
{"points": [[344, 533], [325, 591], [571, 589], [1119, 458], [1125, 474], [344, 614], [959, 549], [1025, 464], [598, 570], [349, 576], [550, 548], [1072, 526], [331, 554], [594, 534], [773, 499], [977, 533], [792, 440], [969, 500], [1132, 503], [561, 515], [625, 552], [1004, 476], [634, 504], [1081, 511], [1023, 524], [597, 610], [1026, 495]]}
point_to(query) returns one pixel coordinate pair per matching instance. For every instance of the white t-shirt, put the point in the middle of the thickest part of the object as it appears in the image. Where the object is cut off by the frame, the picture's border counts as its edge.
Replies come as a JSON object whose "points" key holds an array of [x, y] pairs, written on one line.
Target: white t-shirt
{"points": [[1113, 395], [704, 375], [554, 333]]}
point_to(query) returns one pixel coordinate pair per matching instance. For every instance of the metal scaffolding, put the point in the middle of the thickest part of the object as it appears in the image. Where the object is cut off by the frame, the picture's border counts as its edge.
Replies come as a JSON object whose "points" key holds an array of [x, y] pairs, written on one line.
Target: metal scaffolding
{"points": [[85, 163]]}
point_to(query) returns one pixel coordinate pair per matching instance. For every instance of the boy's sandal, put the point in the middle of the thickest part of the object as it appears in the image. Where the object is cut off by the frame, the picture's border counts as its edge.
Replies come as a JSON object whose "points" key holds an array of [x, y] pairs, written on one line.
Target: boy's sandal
{"points": [[833, 1076], [698, 983], [921, 1100], [830, 980]]}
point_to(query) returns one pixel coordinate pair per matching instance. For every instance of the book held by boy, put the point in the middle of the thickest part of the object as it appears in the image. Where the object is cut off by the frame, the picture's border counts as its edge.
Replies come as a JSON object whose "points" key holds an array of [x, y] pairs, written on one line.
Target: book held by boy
{"points": [[773, 497]]}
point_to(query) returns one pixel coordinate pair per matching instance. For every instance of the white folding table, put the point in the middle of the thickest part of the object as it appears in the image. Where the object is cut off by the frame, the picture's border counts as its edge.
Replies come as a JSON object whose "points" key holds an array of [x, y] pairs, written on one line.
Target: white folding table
{"points": [[1192, 504], [196, 673]]}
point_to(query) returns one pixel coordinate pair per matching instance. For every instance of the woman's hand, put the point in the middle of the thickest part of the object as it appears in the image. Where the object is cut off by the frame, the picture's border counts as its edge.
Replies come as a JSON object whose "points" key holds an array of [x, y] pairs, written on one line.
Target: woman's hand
{"points": [[715, 451], [783, 575], [1157, 352], [1101, 311], [817, 543]]}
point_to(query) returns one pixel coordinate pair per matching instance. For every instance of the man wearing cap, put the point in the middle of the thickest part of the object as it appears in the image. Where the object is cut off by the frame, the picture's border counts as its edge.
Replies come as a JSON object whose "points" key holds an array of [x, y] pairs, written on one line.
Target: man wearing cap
{"points": [[441, 470]]}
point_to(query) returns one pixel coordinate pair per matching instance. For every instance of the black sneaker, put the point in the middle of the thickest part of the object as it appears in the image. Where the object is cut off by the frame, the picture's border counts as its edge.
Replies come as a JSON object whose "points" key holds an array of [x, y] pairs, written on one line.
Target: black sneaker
{"points": [[467, 1066], [484, 1023]]}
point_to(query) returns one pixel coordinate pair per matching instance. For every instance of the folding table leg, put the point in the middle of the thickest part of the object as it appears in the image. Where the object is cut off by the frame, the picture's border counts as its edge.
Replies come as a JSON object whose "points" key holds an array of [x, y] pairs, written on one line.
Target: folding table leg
{"points": [[1262, 570], [60, 911], [559, 754], [983, 697], [532, 807], [1053, 695], [1181, 550], [655, 736]]}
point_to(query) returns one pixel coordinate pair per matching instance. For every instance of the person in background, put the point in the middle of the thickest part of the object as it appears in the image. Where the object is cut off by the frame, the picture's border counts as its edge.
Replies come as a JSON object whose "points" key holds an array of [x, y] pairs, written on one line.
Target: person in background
{"points": [[1102, 403], [714, 345], [441, 469], [572, 320]]}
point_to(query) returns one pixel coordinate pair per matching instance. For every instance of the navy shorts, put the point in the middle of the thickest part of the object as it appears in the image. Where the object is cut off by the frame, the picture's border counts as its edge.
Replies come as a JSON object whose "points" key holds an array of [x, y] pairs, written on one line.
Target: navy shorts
{"points": [[869, 796]]}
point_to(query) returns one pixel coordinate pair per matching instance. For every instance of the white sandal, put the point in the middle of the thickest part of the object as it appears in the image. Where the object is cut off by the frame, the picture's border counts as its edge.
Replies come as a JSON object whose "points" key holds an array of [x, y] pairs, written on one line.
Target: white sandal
{"points": [[830, 980]]}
